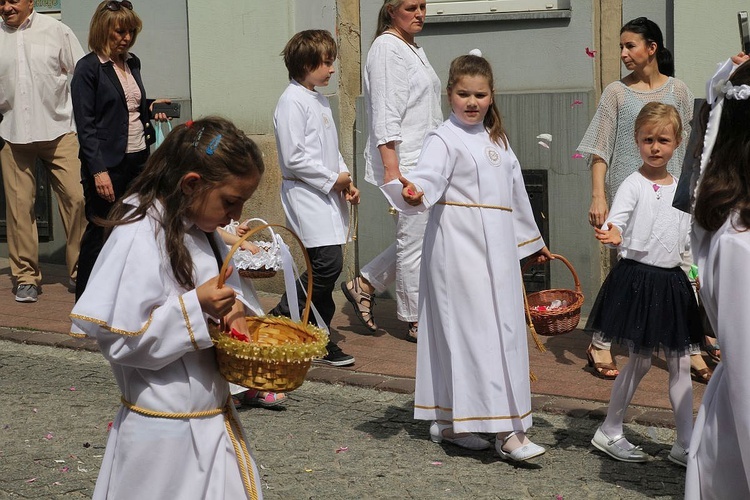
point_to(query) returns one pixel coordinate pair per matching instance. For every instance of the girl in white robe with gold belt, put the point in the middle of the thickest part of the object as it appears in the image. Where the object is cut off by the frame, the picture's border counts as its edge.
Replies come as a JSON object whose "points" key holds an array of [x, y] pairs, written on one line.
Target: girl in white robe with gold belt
{"points": [[472, 357], [719, 454], [151, 295]]}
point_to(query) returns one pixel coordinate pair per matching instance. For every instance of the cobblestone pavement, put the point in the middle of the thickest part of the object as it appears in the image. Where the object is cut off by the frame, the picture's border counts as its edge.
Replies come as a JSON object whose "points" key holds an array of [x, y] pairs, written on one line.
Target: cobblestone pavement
{"points": [[332, 442]]}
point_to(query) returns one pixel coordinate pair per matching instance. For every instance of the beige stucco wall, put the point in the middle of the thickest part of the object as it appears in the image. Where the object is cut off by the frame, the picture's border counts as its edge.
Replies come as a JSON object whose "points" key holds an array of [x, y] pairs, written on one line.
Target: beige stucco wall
{"points": [[705, 33], [236, 71]]}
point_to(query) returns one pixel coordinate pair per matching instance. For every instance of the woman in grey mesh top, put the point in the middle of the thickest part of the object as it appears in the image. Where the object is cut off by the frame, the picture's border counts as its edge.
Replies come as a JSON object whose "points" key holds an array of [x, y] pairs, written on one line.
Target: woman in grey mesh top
{"points": [[609, 142]]}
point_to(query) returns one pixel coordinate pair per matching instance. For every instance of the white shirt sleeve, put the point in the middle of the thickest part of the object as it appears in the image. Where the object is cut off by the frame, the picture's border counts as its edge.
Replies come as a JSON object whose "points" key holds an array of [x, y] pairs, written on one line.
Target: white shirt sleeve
{"points": [[71, 51], [389, 92]]}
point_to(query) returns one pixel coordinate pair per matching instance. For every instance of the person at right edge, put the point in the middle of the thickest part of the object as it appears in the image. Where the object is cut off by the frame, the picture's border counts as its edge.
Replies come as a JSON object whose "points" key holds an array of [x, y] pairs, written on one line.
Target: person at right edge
{"points": [[719, 457]]}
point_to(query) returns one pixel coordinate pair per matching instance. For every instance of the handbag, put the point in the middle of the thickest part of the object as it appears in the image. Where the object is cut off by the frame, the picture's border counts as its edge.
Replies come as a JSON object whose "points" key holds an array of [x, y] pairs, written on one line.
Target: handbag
{"points": [[159, 131]]}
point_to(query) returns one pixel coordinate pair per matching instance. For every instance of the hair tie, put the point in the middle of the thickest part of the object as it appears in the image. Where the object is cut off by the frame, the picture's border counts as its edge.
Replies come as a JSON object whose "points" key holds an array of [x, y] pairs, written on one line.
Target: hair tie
{"points": [[189, 123], [475, 52]]}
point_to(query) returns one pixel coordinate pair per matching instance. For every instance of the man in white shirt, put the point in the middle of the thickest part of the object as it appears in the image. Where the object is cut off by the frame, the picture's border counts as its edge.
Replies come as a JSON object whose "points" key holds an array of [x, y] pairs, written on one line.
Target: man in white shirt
{"points": [[38, 54]]}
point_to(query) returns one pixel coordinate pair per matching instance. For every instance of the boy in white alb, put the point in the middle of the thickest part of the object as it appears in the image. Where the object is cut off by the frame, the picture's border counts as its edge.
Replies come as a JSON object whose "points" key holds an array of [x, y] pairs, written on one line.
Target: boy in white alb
{"points": [[316, 184]]}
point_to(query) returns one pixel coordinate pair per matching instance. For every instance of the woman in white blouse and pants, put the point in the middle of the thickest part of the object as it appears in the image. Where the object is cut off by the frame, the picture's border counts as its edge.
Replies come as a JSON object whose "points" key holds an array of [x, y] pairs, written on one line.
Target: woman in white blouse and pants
{"points": [[402, 97]]}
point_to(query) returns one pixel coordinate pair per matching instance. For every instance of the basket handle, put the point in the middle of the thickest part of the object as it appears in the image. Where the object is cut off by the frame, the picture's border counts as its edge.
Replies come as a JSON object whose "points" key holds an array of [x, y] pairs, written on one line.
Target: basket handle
{"points": [[564, 261], [274, 243], [228, 258]]}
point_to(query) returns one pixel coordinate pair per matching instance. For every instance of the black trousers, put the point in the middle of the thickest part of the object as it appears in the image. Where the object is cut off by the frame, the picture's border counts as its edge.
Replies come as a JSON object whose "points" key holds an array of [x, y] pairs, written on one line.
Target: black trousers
{"points": [[93, 237], [326, 263]]}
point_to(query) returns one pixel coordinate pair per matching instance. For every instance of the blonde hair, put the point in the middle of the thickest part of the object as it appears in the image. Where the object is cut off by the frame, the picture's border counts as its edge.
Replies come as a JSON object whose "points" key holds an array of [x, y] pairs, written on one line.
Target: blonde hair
{"points": [[104, 21], [660, 115], [470, 65]]}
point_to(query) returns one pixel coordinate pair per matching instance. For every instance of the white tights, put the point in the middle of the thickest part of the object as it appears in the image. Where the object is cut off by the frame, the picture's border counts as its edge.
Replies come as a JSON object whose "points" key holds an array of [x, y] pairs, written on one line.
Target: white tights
{"points": [[680, 393]]}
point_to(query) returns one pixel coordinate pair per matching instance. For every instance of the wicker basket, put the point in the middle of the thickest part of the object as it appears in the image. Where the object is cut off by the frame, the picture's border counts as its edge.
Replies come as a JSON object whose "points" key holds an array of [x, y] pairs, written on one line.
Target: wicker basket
{"points": [[280, 350], [562, 319], [268, 250]]}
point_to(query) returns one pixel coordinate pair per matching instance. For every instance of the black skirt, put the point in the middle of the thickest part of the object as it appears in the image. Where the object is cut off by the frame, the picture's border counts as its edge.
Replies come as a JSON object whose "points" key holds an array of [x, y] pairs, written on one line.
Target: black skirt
{"points": [[647, 306]]}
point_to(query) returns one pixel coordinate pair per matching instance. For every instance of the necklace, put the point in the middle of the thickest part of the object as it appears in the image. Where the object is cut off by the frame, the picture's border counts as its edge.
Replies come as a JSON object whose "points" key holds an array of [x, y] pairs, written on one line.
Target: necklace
{"points": [[410, 45], [657, 190]]}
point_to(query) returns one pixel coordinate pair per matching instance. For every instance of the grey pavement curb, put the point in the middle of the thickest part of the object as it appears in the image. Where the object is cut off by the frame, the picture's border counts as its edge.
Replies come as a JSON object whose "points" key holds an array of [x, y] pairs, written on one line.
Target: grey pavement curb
{"points": [[572, 407]]}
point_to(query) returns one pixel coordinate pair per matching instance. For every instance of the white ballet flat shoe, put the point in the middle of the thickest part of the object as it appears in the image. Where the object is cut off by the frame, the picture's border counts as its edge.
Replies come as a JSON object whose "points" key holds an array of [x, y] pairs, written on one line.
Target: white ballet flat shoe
{"points": [[470, 442], [678, 455], [520, 454], [609, 446]]}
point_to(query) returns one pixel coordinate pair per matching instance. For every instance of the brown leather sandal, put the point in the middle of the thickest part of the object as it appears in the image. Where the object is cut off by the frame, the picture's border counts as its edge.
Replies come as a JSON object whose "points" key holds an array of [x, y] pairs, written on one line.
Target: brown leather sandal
{"points": [[601, 369], [363, 303]]}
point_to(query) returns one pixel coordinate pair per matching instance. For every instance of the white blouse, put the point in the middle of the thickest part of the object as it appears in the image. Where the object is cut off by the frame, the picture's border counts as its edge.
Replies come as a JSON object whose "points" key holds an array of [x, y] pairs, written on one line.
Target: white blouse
{"points": [[653, 231], [402, 98]]}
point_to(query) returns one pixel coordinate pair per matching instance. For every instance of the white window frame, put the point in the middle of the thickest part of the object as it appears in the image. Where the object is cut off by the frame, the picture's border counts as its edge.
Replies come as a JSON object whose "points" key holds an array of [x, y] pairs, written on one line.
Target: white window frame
{"points": [[437, 8]]}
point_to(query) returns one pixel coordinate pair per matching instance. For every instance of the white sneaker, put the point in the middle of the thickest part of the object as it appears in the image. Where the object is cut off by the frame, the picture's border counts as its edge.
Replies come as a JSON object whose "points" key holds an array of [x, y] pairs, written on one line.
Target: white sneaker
{"points": [[678, 455]]}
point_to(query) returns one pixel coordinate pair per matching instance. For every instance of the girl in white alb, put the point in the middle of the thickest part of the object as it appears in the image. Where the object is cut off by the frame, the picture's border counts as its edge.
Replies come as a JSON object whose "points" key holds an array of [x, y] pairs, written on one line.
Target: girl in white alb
{"points": [[719, 459], [152, 294], [472, 354]]}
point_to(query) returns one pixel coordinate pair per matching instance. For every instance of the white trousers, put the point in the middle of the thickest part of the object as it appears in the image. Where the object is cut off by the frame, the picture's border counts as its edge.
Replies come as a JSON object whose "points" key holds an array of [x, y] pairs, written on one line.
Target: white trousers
{"points": [[400, 263]]}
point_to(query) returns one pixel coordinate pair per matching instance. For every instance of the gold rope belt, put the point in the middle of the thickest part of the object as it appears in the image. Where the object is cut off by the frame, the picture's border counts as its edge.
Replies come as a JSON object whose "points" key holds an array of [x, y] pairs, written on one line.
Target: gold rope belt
{"points": [[474, 205], [233, 429]]}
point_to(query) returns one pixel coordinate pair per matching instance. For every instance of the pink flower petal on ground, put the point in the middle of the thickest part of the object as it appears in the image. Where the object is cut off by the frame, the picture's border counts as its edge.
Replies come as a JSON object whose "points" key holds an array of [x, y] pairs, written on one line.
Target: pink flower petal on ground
{"points": [[590, 53], [31, 480], [577, 156], [576, 103], [436, 462], [109, 426], [558, 497], [48, 436], [65, 469], [72, 388], [33, 410], [57, 483], [342, 449]]}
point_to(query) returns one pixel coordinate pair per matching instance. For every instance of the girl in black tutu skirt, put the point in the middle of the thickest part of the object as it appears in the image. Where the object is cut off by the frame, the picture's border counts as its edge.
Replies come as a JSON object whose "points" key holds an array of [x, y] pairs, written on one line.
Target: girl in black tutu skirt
{"points": [[647, 301]]}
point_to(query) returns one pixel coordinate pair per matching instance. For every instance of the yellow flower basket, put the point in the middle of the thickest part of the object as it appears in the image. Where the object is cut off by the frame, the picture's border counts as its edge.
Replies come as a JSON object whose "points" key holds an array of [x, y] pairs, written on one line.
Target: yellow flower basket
{"points": [[280, 351]]}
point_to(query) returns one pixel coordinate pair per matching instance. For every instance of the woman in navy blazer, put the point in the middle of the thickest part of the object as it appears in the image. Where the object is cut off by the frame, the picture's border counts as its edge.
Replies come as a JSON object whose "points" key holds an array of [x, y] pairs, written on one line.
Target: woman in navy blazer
{"points": [[112, 116]]}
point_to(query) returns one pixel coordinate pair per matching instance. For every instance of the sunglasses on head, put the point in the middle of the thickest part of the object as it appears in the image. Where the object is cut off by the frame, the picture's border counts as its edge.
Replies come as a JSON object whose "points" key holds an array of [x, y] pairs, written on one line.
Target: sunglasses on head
{"points": [[114, 5]]}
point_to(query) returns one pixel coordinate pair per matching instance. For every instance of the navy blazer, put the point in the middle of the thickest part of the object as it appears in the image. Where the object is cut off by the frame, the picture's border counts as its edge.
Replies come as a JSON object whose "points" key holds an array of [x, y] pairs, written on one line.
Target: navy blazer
{"points": [[101, 112]]}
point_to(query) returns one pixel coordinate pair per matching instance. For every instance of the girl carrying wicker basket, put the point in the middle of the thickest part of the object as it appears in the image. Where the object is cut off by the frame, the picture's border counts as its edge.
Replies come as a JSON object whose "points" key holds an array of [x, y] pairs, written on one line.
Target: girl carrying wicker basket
{"points": [[472, 354], [647, 300], [148, 303]]}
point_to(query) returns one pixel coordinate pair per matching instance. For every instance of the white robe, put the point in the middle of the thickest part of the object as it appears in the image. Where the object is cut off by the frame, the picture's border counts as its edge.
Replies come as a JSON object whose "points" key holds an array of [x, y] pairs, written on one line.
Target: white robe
{"points": [[472, 354], [155, 336], [310, 161], [719, 458]]}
